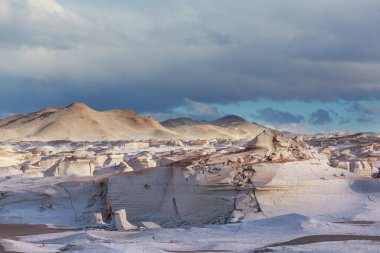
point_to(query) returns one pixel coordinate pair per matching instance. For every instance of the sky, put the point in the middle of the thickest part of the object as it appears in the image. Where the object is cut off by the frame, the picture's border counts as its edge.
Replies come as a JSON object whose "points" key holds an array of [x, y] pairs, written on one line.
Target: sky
{"points": [[294, 65]]}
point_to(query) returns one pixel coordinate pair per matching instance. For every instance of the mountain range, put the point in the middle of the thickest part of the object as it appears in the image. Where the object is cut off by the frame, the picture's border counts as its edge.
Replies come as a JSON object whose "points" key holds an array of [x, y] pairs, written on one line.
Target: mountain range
{"points": [[79, 122]]}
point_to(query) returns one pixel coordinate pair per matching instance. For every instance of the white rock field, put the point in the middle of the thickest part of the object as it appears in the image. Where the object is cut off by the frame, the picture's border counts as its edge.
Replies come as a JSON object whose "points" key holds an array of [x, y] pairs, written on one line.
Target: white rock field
{"points": [[182, 186]]}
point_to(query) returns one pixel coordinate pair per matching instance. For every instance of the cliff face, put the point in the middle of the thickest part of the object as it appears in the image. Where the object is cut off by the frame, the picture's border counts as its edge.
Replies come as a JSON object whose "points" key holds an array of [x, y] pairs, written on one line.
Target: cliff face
{"points": [[52, 200], [170, 196]]}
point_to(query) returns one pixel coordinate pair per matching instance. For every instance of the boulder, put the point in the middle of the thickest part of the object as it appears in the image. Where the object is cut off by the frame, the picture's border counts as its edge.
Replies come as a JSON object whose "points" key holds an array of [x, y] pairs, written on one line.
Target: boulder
{"points": [[121, 222]]}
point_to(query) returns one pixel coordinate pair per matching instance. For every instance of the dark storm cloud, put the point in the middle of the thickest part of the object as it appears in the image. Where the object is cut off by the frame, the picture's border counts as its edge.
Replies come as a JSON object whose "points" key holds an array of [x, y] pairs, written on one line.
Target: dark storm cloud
{"points": [[364, 109], [320, 117], [30, 96], [365, 120], [278, 117], [151, 58]]}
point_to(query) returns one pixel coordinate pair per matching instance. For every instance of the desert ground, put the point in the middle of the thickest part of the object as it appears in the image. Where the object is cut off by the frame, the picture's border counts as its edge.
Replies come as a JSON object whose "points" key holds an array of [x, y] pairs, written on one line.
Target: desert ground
{"points": [[74, 179]]}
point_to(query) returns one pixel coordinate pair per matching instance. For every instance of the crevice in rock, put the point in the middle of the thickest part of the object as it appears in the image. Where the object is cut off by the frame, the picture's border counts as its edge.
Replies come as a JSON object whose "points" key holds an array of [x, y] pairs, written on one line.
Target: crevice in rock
{"points": [[259, 209], [71, 203], [176, 209], [173, 194]]}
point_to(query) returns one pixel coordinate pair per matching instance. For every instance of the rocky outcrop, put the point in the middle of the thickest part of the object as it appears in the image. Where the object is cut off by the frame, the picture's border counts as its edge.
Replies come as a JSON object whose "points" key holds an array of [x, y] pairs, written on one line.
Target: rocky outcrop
{"points": [[358, 153], [362, 168], [121, 167], [113, 160], [72, 166], [134, 145], [142, 161], [274, 146], [174, 196]]}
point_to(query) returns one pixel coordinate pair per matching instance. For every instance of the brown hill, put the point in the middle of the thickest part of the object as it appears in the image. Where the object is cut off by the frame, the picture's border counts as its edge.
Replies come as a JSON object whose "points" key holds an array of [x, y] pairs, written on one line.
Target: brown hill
{"points": [[78, 122], [230, 127]]}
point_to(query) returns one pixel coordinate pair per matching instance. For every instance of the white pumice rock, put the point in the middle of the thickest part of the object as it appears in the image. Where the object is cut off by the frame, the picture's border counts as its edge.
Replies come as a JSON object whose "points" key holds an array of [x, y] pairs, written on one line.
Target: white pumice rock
{"points": [[121, 222], [151, 225], [236, 216], [98, 219]]}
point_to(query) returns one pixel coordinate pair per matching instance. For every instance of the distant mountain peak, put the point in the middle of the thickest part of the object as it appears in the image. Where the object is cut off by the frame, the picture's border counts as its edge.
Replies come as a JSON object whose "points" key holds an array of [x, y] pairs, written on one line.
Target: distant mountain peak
{"points": [[78, 106], [229, 120], [183, 121]]}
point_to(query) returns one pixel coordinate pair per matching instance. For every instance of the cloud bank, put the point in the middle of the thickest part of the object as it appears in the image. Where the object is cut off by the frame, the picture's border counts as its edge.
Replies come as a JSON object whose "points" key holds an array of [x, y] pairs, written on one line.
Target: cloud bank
{"points": [[320, 117], [271, 116], [153, 56]]}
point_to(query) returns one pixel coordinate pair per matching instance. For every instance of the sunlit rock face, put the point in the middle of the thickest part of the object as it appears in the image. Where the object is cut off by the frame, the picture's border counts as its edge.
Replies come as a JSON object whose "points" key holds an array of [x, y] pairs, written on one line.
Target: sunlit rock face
{"points": [[142, 161], [121, 222], [361, 167], [273, 146]]}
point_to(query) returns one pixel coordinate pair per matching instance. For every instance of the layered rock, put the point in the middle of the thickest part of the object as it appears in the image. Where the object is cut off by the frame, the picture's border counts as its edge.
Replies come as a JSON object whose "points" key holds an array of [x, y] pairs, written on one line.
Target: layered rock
{"points": [[73, 166], [276, 147], [358, 153], [142, 161]]}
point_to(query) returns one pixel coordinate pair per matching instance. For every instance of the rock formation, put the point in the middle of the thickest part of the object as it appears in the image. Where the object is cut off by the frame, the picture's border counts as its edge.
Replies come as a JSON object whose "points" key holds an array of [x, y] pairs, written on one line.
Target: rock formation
{"points": [[121, 222]]}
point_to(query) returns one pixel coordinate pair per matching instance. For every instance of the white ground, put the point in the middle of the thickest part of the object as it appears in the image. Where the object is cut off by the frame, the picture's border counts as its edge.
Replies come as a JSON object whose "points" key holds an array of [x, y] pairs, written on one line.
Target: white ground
{"points": [[303, 199], [244, 237]]}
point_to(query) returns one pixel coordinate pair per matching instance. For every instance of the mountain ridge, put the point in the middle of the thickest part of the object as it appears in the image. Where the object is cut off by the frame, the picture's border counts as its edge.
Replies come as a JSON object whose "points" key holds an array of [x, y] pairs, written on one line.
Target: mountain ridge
{"points": [[79, 122]]}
